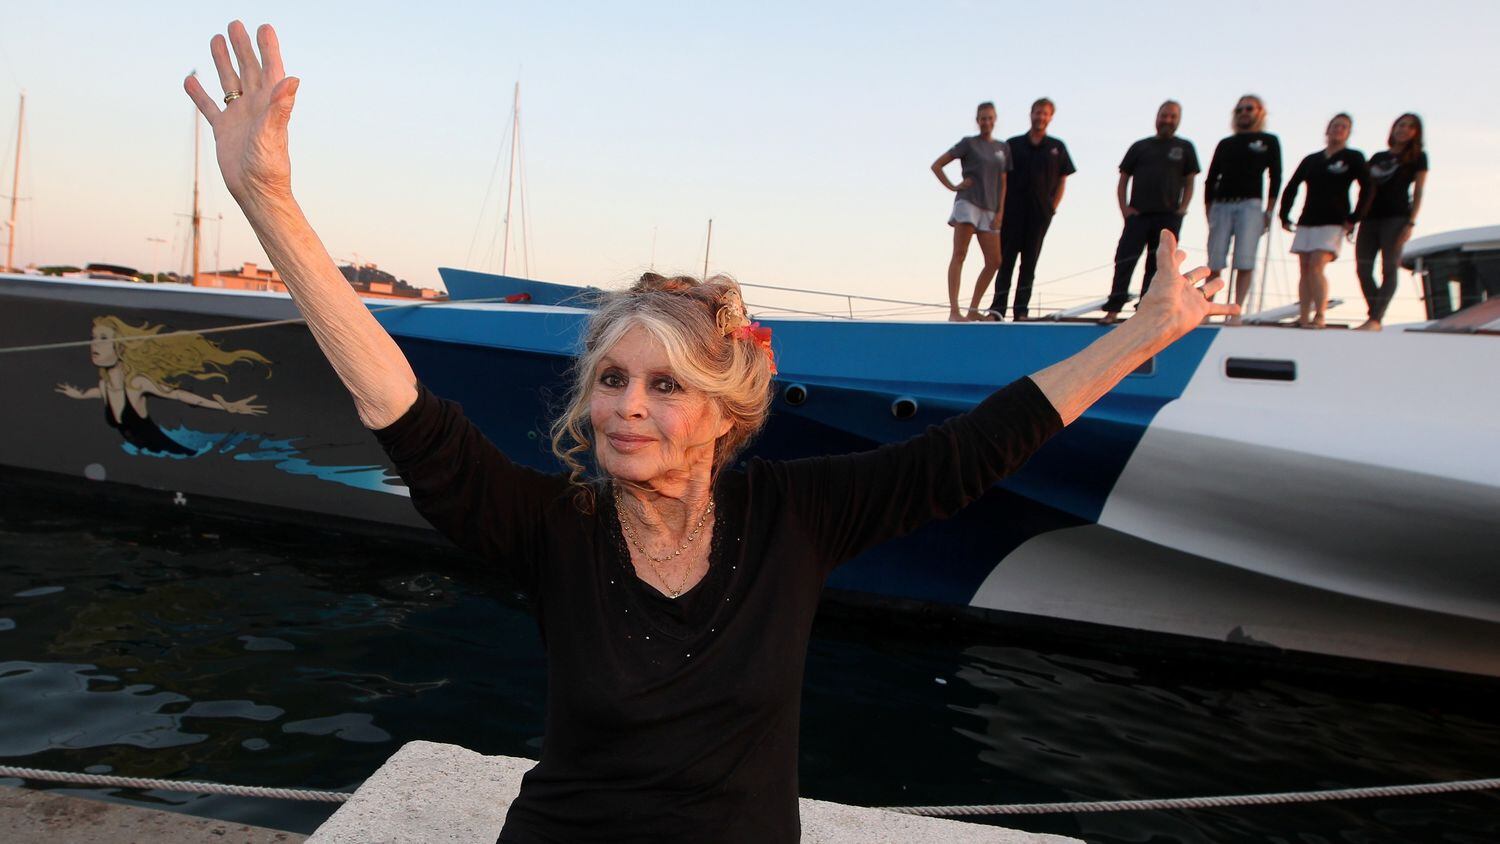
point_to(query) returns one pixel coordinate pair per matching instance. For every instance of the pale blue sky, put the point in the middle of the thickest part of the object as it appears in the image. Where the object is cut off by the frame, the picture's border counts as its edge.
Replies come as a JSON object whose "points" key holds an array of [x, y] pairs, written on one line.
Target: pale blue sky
{"points": [[804, 132]]}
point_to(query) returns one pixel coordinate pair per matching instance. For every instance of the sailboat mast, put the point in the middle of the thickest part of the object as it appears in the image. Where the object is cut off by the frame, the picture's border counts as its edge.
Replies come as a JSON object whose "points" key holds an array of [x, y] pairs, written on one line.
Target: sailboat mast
{"points": [[15, 191], [510, 175], [707, 246], [197, 215]]}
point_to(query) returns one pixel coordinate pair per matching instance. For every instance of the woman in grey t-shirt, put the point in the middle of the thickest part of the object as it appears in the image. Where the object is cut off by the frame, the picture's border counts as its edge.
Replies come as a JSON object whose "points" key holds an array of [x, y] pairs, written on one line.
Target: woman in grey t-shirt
{"points": [[978, 207]]}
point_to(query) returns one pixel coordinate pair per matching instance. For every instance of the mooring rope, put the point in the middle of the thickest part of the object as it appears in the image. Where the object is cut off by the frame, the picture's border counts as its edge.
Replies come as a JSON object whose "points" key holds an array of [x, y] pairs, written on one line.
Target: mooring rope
{"points": [[185, 786], [1277, 798], [1202, 802]]}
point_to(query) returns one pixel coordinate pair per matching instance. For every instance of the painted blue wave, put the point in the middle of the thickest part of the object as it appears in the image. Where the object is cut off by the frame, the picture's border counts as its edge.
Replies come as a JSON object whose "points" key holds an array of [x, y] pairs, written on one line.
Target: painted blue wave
{"points": [[281, 453]]}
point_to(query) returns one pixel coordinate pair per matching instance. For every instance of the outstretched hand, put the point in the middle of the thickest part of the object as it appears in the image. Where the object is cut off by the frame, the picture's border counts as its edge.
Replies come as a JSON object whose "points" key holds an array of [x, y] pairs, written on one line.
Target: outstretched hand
{"points": [[250, 131], [1177, 301], [241, 406]]}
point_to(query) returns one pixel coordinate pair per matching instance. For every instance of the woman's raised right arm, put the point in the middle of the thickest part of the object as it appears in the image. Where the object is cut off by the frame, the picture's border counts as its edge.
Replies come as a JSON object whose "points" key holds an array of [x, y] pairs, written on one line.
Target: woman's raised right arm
{"points": [[250, 133]]}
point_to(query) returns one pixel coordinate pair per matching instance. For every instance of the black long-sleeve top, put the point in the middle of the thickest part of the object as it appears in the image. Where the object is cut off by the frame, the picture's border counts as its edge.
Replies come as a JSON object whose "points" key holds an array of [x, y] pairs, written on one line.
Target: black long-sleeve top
{"points": [[677, 720], [1238, 165], [1328, 179]]}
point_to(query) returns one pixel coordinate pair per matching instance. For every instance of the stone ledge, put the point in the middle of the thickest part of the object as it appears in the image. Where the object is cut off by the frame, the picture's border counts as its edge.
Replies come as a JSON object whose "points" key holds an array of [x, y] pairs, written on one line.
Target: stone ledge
{"points": [[40, 817], [431, 793]]}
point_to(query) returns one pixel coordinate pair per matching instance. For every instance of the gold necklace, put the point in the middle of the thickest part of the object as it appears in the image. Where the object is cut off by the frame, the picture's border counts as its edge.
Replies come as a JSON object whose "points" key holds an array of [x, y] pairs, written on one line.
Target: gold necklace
{"points": [[630, 535]]}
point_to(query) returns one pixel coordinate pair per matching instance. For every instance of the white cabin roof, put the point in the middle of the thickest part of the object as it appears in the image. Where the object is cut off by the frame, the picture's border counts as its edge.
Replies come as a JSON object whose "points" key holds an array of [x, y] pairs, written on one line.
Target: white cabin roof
{"points": [[1469, 240]]}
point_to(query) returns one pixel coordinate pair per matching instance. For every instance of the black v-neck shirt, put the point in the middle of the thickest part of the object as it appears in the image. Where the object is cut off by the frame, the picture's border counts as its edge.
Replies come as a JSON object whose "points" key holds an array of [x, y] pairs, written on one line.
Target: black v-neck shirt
{"points": [[677, 720]]}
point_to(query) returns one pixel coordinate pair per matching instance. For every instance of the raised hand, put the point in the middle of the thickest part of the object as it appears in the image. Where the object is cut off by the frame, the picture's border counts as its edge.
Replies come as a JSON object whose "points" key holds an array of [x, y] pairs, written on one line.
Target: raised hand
{"points": [[241, 406], [250, 131], [1175, 300]]}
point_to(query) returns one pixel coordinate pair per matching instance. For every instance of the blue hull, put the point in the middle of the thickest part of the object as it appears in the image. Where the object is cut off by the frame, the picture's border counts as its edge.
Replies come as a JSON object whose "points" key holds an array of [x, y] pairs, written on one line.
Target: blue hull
{"points": [[495, 361]]}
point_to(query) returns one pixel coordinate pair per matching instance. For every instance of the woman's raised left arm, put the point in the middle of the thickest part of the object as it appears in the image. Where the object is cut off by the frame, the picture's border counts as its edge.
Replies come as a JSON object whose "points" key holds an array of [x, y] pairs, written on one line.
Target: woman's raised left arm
{"points": [[1171, 308]]}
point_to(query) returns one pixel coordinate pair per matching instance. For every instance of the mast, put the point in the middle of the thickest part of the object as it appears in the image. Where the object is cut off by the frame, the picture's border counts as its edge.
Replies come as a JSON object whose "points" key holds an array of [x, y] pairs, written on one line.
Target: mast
{"points": [[510, 176], [15, 191], [707, 246], [197, 215]]}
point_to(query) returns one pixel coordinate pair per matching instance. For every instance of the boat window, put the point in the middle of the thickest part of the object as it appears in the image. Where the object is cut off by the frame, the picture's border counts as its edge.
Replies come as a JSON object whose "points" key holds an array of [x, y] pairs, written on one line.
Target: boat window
{"points": [[1261, 369], [1146, 368]]}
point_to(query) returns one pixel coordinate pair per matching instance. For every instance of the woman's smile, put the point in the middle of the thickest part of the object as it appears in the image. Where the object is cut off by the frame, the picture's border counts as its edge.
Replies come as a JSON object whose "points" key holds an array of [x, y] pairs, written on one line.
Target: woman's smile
{"points": [[629, 443]]}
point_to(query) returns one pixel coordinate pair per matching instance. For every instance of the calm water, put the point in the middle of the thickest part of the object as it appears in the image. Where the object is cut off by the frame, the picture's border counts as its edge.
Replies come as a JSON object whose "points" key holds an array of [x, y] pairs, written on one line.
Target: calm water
{"points": [[163, 644]]}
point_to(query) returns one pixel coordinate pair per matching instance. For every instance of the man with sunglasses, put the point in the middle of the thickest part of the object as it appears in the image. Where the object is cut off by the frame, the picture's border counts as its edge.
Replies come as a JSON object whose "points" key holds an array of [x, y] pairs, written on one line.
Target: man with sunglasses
{"points": [[1232, 198]]}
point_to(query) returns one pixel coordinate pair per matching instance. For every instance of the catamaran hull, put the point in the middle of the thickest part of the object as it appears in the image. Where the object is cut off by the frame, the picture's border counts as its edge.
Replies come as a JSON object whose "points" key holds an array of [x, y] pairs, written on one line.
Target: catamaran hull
{"points": [[1313, 491]]}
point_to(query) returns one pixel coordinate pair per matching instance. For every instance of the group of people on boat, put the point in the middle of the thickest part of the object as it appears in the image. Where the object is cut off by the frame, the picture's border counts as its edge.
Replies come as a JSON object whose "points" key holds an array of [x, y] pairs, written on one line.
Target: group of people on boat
{"points": [[1009, 191]]}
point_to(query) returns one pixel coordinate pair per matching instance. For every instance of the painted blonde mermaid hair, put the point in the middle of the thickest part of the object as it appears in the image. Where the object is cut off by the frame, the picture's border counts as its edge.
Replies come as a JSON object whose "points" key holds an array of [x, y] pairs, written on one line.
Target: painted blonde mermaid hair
{"points": [[166, 360]]}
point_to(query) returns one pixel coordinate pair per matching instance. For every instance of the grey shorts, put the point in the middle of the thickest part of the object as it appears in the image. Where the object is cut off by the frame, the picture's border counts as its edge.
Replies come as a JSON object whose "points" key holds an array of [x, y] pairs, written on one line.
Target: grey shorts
{"points": [[1244, 221]]}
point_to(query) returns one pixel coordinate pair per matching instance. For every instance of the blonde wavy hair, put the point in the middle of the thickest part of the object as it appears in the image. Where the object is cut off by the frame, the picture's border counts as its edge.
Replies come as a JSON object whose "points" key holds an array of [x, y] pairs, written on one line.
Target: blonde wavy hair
{"points": [[710, 344], [166, 360]]}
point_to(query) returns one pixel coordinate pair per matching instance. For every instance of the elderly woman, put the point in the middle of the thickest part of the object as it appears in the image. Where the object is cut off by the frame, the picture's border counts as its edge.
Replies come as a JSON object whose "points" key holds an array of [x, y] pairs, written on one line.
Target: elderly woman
{"points": [[675, 595]]}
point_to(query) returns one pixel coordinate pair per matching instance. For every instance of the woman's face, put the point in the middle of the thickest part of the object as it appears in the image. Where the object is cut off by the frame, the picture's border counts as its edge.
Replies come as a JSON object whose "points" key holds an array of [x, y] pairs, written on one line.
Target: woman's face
{"points": [[648, 427], [1404, 131], [102, 350], [1338, 130], [985, 119]]}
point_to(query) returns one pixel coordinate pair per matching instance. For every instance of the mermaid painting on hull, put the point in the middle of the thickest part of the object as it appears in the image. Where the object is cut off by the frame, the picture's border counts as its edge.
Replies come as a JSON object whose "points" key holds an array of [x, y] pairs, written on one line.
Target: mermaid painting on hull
{"points": [[134, 363]]}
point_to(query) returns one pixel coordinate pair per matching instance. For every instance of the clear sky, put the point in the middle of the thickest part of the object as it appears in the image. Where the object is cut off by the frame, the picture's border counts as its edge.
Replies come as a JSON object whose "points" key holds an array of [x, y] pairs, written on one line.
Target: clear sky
{"points": [[804, 130]]}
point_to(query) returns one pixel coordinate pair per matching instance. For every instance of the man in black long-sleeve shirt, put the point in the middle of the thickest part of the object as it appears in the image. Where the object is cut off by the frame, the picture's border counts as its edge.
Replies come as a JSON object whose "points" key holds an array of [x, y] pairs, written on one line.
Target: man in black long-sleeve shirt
{"points": [[1233, 192]]}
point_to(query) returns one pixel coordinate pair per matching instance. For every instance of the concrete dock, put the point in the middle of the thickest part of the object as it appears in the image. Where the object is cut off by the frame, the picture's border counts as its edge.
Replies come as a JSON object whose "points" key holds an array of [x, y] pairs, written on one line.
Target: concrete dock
{"points": [[428, 793], [38, 817]]}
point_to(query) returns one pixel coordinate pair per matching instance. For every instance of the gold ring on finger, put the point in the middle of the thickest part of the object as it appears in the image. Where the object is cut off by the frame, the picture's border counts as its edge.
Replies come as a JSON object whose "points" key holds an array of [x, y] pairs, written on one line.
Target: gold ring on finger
{"points": [[231, 96]]}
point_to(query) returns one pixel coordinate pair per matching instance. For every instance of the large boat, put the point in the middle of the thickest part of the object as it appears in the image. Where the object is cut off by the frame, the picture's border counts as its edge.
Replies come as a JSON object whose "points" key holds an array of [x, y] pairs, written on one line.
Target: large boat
{"points": [[1330, 492]]}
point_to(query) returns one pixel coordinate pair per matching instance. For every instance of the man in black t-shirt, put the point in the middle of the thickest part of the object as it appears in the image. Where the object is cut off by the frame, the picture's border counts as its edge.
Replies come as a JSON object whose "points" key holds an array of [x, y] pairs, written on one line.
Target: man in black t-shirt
{"points": [[1041, 166], [1159, 172]]}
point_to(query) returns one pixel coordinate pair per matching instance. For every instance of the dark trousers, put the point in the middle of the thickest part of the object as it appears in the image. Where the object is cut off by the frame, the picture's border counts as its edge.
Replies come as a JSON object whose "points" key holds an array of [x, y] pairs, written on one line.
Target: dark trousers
{"points": [[1142, 231], [1021, 236], [1380, 235]]}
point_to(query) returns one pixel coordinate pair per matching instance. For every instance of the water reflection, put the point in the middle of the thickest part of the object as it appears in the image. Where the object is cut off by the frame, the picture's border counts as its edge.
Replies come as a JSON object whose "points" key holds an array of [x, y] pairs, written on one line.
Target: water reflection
{"points": [[175, 647]]}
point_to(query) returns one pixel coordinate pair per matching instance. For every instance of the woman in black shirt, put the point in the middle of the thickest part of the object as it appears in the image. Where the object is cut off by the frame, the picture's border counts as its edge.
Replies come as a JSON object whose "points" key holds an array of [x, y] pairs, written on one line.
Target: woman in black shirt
{"points": [[675, 594], [1398, 175], [1327, 219]]}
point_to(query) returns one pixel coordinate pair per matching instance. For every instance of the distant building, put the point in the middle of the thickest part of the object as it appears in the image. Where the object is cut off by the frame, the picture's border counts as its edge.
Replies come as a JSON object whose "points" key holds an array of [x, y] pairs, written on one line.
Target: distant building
{"points": [[247, 277], [366, 279]]}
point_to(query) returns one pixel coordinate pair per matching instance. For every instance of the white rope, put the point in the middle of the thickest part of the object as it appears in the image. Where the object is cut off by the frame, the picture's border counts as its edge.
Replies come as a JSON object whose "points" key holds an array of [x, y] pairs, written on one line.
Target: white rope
{"points": [[243, 326], [1276, 798], [175, 785], [1202, 802]]}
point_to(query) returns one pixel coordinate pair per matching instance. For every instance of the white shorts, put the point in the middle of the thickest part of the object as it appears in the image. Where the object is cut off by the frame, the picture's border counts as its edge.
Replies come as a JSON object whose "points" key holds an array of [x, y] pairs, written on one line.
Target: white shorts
{"points": [[1318, 239], [965, 211], [1245, 221]]}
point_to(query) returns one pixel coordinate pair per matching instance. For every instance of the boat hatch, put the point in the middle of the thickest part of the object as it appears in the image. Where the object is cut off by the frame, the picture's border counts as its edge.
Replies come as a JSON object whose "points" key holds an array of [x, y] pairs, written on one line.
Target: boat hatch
{"points": [[1261, 369]]}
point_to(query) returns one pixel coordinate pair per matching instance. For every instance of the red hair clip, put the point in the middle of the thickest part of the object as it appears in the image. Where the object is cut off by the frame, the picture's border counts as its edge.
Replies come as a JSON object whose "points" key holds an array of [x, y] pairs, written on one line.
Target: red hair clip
{"points": [[760, 335]]}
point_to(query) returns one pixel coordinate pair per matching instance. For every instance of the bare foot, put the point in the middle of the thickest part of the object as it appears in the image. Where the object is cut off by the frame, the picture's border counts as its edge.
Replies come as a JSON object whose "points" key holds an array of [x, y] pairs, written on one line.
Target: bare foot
{"points": [[955, 316], [1368, 325], [1110, 318]]}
